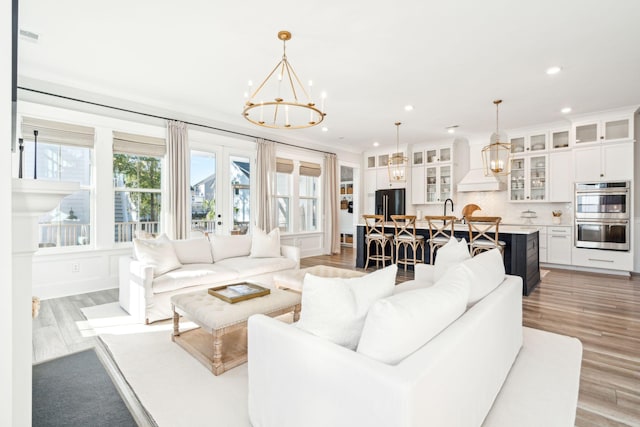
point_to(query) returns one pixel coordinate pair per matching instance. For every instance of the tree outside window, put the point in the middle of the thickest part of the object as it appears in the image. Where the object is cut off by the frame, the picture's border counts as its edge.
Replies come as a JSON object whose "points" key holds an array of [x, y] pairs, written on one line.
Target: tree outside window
{"points": [[137, 202]]}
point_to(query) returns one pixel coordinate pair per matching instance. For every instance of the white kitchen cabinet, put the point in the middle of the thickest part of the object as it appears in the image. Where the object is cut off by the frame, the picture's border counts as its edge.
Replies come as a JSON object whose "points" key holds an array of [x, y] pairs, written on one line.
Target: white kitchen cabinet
{"points": [[561, 176], [559, 139], [615, 128], [437, 183], [597, 258], [418, 183], [529, 142], [436, 169], [377, 172], [438, 154], [528, 179], [542, 244], [604, 162], [559, 244]]}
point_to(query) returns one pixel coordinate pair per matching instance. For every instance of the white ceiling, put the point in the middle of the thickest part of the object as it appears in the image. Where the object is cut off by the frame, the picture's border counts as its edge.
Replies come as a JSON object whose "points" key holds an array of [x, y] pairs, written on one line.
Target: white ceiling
{"points": [[449, 59]]}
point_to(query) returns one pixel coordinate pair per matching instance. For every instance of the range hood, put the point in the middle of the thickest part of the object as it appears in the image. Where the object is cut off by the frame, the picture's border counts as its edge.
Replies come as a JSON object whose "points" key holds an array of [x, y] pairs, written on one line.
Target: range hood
{"points": [[475, 180]]}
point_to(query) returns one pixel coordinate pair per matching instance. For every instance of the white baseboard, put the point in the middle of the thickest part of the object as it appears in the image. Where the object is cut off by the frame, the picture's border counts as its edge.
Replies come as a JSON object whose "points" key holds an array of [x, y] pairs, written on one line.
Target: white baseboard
{"points": [[585, 269], [64, 289]]}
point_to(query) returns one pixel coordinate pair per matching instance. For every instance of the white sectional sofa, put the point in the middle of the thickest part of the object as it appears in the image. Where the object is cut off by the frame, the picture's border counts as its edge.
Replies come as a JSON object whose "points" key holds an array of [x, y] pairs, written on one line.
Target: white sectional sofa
{"points": [[298, 378], [166, 268]]}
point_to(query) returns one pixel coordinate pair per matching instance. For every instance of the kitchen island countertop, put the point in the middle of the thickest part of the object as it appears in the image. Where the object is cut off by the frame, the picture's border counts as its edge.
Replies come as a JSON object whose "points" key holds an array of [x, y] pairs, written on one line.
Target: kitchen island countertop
{"points": [[511, 229]]}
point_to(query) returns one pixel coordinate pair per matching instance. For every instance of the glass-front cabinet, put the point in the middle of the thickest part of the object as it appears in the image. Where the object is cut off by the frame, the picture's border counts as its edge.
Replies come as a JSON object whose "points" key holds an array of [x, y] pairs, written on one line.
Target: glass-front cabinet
{"points": [[438, 183], [438, 155], [528, 181], [559, 139], [614, 129], [529, 143]]}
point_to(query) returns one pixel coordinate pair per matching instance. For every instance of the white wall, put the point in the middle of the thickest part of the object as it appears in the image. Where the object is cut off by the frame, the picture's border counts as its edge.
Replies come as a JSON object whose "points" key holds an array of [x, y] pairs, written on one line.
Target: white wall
{"points": [[8, 329]]}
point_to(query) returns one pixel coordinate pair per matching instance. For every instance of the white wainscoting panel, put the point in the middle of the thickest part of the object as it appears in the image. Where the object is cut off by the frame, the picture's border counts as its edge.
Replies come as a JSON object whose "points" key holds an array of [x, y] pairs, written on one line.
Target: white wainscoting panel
{"points": [[310, 244], [62, 274]]}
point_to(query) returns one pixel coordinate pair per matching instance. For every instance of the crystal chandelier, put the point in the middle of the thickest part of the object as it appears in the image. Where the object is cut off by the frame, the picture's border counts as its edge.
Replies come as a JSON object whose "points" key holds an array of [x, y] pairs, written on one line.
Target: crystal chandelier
{"points": [[496, 157], [277, 103], [398, 162]]}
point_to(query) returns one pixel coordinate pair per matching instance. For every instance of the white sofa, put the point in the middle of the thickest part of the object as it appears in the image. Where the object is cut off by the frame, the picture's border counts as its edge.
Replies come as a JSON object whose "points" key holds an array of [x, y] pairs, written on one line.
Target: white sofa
{"points": [[202, 263], [297, 378]]}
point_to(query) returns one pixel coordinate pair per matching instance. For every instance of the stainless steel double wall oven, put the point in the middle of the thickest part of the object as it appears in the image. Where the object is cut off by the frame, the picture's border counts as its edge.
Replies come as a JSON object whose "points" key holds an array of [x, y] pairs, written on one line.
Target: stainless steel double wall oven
{"points": [[602, 215]]}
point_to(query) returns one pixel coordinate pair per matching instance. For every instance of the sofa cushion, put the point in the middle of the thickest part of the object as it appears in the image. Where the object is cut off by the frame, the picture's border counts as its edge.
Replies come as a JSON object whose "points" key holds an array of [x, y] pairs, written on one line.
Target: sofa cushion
{"points": [[451, 254], [335, 308], [230, 246], [265, 245], [158, 253], [193, 251], [193, 275], [398, 325], [486, 272], [255, 266]]}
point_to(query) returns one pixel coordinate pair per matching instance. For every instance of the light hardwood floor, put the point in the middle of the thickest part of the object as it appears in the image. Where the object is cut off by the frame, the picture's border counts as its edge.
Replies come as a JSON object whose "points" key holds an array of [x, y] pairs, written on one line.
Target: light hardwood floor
{"points": [[602, 311]]}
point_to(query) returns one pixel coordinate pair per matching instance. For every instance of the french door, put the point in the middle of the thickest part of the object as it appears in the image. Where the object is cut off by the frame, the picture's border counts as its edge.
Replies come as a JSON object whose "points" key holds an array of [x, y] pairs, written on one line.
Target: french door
{"points": [[221, 183]]}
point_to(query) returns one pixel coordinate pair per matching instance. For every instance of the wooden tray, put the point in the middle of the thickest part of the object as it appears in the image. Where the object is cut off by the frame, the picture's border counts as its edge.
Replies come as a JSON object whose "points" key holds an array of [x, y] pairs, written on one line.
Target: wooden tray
{"points": [[236, 292]]}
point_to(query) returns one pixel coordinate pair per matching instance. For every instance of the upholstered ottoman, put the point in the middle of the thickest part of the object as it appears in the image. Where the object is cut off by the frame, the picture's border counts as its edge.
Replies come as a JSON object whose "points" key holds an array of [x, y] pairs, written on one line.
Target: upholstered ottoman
{"points": [[293, 279], [221, 341]]}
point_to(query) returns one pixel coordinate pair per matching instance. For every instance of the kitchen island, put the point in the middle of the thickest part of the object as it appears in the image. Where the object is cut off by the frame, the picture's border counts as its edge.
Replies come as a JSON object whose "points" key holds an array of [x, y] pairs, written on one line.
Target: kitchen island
{"points": [[521, 256]]}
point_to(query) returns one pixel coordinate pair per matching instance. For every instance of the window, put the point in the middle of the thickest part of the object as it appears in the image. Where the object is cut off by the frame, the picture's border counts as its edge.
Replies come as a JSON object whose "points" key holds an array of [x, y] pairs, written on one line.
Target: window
{"points": [[284, 169], [63, 152], [137, 177], [309, 196], [203, 191], [283, 201]]}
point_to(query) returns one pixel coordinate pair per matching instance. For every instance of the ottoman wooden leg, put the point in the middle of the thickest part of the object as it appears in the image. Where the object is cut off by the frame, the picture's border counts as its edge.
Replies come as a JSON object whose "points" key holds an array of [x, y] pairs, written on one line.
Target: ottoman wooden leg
{"points": [[296, 312], [176, 322], [217, 367]]}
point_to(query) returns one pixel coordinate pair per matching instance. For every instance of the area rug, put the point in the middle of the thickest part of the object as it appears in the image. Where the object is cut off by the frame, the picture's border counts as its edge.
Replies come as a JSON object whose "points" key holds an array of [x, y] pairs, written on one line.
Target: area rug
{"points": [[76, 390], [179, 391]]}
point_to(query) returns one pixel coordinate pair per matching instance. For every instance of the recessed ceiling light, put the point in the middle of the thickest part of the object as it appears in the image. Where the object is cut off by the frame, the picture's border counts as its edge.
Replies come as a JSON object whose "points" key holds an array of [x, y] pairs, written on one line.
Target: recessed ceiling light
{"points": [[565, 110], [451, 129], [375, 144], [553, 70], [325, 129], [408, 108]]}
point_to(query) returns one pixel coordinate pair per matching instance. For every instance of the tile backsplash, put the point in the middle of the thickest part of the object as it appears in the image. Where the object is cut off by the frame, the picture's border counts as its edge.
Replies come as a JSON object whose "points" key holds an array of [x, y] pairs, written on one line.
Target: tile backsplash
{"points": [[495, 203]]}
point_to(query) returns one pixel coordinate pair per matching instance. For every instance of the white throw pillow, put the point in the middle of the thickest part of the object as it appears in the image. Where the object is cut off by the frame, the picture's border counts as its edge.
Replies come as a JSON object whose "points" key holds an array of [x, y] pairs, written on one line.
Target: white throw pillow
{"points": [[399, 325], [451, 254], [265, 245], [158, 253], [193, 251], [486, 271], [223, 247], [335, 308]]}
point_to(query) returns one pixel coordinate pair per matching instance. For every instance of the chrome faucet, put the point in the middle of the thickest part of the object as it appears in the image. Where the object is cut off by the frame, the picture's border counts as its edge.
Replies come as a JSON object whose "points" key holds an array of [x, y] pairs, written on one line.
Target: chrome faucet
{"points": [[444, 209]]}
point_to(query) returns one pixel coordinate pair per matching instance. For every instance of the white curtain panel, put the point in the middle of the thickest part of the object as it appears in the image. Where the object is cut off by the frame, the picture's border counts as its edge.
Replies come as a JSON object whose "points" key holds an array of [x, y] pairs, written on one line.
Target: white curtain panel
{"points": [[266, 176], [179, 189], [330, 186]]}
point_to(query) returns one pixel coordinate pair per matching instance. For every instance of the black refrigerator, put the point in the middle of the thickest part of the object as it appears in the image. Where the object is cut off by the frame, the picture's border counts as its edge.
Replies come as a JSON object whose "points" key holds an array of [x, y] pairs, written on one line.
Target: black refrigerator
{"points": [[390, 202]]}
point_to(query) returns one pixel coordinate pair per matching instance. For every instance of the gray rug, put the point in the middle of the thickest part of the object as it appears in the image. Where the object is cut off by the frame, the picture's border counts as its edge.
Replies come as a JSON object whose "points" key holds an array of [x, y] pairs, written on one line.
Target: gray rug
{"points": [[76, 390]]}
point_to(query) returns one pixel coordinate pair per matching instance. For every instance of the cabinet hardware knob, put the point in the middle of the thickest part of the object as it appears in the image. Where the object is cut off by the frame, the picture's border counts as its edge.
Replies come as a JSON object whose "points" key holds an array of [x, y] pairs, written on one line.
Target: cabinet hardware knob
{"points": [[527, 148], [601, 175], [527, 197]]}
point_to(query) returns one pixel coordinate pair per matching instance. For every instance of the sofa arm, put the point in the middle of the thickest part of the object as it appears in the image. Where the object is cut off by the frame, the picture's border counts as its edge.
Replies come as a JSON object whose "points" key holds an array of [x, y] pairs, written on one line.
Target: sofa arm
{"points": [[292, 252], [135, 282], [289, 387]]}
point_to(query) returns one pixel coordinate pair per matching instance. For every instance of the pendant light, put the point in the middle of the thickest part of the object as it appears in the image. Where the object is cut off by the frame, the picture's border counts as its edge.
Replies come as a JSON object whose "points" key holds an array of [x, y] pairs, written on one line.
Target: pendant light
{"points": [[496, 157], [398, 161]]}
